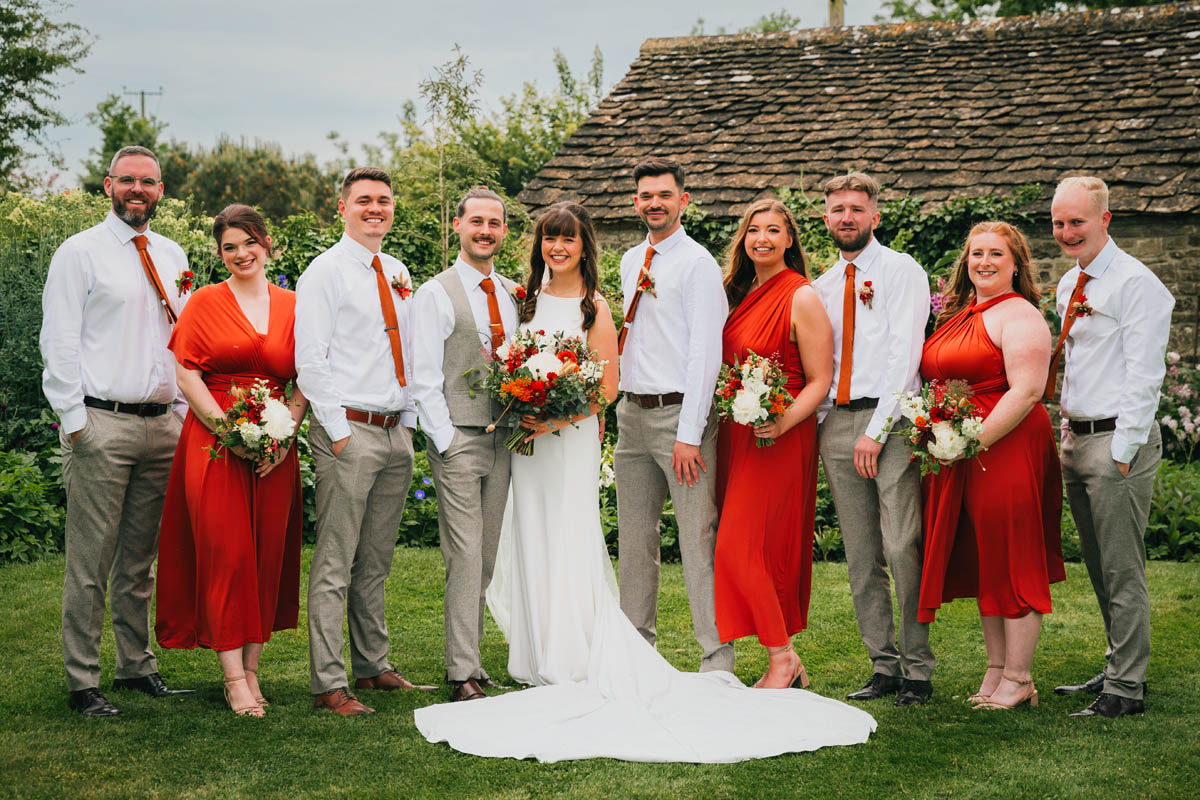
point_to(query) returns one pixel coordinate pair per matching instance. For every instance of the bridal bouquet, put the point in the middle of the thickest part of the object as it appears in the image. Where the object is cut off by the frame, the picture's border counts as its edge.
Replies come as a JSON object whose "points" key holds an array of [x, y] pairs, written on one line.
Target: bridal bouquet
{"points": [[752, 393], [257, 422], [547, 375], [941, 424]]}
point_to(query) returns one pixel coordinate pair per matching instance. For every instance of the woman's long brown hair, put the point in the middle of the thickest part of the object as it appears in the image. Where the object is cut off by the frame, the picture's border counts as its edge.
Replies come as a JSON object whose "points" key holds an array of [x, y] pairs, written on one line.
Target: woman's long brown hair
{"points": [[739, 269], [564, 219], [961, 291]]}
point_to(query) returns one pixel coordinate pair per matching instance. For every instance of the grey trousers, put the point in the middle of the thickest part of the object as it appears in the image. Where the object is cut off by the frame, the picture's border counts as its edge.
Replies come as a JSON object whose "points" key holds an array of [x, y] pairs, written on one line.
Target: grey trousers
{"points": [[881, 529], [360, 500], [1111, 511], [642, 463], [115, 475], [472, 488]]}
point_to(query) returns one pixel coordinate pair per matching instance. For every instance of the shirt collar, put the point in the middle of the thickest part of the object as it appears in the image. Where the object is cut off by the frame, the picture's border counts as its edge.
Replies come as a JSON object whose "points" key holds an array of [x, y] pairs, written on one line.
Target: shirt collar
{"points": [[356, 251], [668, 243], [122, 229], [472, 277], [864, 260], [1102, 259]]}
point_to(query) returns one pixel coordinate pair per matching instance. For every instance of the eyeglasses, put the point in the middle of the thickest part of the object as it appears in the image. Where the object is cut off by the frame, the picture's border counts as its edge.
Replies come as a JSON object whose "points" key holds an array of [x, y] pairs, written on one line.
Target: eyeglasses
{"points": [[127, 181]]}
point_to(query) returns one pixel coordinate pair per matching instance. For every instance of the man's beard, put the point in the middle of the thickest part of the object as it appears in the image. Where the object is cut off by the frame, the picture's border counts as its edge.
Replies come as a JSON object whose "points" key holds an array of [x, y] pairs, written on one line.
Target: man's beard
{"points": [[667, 223], [131, 218], [856, 244]]}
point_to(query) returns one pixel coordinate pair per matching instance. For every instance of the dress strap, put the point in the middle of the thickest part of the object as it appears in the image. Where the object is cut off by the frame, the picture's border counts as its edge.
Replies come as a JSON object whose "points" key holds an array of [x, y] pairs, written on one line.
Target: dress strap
{"points": [[979, 309]]}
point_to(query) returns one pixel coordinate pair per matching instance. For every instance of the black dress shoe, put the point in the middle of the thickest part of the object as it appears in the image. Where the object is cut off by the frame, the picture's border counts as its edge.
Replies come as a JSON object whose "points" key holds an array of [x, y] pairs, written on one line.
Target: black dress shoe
{"points": [[1111, 706], [151, 684], [1092, 685], [879, 686], [914, 693], [90, 703]]}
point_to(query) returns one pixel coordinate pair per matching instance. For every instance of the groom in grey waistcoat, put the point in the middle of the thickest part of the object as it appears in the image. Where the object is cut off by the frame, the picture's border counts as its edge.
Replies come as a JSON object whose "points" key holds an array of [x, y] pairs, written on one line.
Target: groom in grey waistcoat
{"points": [[460, 317]]}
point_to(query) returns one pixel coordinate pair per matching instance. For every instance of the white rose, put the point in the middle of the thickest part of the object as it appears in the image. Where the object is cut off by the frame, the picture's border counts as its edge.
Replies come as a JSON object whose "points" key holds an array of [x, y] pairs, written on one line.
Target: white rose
{"points": [[502, 351], [542, 364], [972, 427], [755, 386], [250, 433], [947, 443], [277, 420], [911, 406], [747, 409]]}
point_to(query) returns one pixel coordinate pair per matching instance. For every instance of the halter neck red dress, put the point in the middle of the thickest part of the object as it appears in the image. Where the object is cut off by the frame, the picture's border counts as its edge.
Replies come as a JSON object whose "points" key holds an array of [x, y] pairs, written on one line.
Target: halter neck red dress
{"points": [[991, 522], [229, 550], [767, 495]]}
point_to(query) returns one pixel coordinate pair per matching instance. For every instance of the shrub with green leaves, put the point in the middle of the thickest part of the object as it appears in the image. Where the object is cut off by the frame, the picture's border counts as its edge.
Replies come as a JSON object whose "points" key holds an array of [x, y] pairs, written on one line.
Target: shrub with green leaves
{"points": [[31, 519]]}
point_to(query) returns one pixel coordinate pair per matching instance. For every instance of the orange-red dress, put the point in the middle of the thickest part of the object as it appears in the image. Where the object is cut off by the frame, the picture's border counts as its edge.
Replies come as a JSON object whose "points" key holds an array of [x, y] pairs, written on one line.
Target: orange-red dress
{"points": [[767, 495], [229, 551], [991, 522]]}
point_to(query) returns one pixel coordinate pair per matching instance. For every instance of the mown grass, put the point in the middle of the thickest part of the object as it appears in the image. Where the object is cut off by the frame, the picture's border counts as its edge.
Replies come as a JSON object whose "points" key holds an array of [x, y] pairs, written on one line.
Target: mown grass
{"points": [[193, 747]]}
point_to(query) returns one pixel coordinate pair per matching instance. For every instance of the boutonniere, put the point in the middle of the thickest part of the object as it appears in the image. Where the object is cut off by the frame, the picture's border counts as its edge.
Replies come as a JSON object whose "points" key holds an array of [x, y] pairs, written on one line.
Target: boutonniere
{"points": [[184, 282], [866, 293], [402, 287], [518, 294], [1081, 307], [646, 283]]}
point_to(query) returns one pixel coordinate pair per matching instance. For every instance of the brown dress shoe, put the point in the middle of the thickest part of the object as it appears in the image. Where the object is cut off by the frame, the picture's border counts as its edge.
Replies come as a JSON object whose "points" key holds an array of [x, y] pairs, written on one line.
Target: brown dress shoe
{"points": [[388, 681], [465, 690], [341, 701]]}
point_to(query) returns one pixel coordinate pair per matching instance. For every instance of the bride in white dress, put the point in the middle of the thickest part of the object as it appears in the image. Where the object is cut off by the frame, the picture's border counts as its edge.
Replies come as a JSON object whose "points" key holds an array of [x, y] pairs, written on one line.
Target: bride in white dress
{"points": [[600, 689]]}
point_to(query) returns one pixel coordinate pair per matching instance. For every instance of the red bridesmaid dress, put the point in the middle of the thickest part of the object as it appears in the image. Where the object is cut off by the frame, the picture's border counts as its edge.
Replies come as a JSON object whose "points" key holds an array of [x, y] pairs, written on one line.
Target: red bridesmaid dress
{"points": [[767, 495], [991, 522], [229, 550]]}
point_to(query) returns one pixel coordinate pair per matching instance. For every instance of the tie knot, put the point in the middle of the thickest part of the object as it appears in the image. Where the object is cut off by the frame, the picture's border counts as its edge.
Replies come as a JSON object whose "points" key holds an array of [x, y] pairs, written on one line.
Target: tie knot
{"points": [[376, 264], [649, 255], [850, 270], [1083, 278], [487, 285], [139, 242]]}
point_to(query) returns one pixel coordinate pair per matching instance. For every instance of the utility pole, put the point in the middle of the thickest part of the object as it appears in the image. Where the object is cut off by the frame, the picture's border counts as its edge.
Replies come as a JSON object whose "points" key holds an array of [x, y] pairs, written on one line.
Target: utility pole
{"points": [[837, 15], [142, 92]]}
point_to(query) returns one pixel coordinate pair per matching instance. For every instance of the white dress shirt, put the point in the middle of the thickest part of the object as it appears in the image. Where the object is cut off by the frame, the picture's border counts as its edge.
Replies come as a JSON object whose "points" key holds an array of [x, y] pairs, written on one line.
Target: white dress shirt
{"points": [[674, 342], [888, 335], [1115, 355], [343, 355], [104, 331], [433, 322]]}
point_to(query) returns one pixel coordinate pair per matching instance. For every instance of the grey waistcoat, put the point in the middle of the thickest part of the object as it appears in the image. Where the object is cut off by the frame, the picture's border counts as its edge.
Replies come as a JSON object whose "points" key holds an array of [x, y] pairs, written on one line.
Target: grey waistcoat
{"points": [[463, 350]]}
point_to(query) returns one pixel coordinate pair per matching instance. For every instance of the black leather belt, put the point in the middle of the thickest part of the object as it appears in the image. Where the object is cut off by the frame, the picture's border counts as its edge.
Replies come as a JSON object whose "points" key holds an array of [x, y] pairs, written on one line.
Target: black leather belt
{"points": [[655, 400], [1085, 427], [860, 404], [373, 418], [140, 409]]}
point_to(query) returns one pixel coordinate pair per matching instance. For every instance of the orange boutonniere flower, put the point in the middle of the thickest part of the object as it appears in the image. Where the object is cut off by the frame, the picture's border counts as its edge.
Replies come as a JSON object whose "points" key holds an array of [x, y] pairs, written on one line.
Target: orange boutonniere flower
{"points": [[866, 293], [401, 287], [1081, 307], [519, 294], [646, 283]]}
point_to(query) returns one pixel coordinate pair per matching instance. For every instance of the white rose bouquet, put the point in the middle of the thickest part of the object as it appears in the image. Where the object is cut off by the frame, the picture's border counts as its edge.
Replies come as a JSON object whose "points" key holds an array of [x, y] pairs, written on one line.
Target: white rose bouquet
{"points": [[941, 425], [256, 421], [752, 392]]}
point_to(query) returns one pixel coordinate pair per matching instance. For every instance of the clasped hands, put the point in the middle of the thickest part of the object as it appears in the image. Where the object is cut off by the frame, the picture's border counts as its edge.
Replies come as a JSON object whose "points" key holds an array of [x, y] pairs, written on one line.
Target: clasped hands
{"points": [[540, 427]]}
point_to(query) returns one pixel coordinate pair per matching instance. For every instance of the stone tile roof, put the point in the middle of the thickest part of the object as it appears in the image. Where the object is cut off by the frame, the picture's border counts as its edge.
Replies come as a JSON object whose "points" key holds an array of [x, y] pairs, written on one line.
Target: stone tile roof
{"points": [[933, 109]]}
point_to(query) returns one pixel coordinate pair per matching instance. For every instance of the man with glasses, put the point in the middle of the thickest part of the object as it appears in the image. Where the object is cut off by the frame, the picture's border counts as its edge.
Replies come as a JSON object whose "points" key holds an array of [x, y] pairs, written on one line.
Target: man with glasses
{"points": [[109, 305]]}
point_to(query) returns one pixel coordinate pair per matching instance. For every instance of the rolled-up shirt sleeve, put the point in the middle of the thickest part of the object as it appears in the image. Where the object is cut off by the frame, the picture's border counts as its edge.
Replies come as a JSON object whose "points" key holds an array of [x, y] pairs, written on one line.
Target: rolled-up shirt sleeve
{"points": [[705, 307], [316, 305], [1145, 323]]}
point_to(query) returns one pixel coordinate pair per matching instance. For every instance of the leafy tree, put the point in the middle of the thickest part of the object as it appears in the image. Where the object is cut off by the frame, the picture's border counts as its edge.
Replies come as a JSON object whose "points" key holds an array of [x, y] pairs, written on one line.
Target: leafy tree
{"points": [[774, 22], [34, 49], [531, 127], [961, 10], [120, 125]]}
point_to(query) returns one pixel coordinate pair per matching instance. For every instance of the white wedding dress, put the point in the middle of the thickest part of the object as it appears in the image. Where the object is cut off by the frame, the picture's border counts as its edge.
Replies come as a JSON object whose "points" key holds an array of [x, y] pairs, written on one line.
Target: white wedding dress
{"points": [[600, 689]]}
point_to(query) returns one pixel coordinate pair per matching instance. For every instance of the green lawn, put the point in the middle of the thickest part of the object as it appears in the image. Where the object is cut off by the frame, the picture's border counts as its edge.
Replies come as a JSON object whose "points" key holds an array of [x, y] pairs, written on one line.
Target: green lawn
{"points": [[193, 747]]}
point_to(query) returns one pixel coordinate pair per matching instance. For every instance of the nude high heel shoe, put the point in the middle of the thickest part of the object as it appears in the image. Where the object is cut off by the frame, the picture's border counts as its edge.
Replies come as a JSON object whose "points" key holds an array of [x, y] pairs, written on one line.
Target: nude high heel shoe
{"points": [[1031, 697]]}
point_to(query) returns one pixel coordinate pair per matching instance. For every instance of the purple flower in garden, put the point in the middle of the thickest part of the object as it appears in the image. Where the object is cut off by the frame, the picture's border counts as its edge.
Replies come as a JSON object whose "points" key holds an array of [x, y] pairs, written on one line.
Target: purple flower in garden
{"points": [[283, 281], [419, 494], [427, 481], [936, 304], [53, 426]]}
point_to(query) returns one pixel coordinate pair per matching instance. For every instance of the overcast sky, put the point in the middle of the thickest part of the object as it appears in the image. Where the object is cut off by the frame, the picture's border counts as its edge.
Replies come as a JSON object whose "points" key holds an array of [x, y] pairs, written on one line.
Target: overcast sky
{"points": [[291, 71]]}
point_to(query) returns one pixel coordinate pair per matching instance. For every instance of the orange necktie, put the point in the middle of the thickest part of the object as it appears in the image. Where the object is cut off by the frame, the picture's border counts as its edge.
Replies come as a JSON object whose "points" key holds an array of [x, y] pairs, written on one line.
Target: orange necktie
{"points": [[494, 321], [140, 243], [1052, 379], [637, 295], [847, 363], [391, 326]]}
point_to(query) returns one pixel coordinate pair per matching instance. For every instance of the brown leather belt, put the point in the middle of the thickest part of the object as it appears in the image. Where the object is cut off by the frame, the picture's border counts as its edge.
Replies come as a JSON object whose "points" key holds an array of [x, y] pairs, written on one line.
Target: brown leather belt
{"points": [[860, 404], [140, 409], [655, 400], [1085, 427], [373, 418]]}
